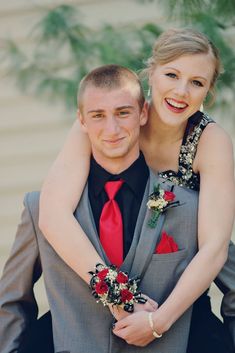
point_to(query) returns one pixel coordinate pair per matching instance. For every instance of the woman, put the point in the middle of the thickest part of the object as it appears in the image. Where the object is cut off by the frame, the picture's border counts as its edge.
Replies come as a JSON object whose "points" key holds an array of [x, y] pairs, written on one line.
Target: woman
{"points": [[180, 143]]}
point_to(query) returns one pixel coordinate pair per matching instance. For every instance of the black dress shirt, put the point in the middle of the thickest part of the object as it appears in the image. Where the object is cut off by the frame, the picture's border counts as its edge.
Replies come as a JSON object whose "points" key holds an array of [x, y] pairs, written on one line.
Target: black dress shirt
{"points": [[129, 197]]}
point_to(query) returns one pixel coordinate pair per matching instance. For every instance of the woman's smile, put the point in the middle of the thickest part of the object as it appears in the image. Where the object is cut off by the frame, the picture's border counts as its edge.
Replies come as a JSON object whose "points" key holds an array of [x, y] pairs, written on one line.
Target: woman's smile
{"points": [[175, 106]]}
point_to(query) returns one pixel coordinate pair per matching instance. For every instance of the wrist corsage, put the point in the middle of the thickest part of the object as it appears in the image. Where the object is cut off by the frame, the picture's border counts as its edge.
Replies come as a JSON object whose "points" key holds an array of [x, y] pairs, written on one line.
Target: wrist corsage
{"points": [[111, 286]]}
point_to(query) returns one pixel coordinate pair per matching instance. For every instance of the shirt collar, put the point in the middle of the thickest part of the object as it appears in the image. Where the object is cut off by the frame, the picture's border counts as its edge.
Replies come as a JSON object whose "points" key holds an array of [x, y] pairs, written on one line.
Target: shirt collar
{"points": [[135, 176]]}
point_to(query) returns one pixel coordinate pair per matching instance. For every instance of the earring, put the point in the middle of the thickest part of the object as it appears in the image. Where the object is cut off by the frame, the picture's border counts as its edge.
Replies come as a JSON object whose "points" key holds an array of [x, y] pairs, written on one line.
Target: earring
{"points": [[201, 108], [149, 94]]}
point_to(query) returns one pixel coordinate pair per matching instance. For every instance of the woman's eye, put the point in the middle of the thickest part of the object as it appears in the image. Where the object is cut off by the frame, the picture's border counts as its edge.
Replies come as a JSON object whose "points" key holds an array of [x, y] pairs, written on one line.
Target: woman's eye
{"points": [[197, 83], [171, 74]]}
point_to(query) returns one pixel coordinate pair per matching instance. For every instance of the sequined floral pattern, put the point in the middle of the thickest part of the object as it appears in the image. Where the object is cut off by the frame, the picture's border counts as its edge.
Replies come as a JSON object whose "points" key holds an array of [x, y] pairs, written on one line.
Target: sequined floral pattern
{"points": [[185, 175]]}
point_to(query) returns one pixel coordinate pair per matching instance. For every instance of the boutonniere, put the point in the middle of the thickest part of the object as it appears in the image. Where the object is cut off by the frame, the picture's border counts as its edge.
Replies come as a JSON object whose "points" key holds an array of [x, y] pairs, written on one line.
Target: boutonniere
{"points": [[159, 201]]}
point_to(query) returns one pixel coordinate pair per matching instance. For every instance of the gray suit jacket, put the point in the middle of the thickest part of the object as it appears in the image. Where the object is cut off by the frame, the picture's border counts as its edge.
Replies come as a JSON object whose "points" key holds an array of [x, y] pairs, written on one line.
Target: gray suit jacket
{"points": [[80, 325], [226, 283]]}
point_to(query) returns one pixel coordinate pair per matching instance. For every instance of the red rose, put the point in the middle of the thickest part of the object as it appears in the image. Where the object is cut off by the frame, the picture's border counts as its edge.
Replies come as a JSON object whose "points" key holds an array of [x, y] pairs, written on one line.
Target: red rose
{"points": [[126, 295], [101, 288], [166, 245], [103, 273], [122, 278], [169, 196]]}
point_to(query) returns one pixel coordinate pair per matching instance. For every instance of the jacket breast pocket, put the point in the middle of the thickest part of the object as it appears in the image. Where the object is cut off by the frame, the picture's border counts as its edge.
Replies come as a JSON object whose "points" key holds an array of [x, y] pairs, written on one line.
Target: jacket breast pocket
{"points": [[162, 274], [171, 256]]}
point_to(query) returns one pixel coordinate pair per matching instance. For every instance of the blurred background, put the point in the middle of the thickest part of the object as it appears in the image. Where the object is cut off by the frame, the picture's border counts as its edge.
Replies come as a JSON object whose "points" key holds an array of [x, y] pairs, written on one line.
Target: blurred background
{"points": [[46, 46]]}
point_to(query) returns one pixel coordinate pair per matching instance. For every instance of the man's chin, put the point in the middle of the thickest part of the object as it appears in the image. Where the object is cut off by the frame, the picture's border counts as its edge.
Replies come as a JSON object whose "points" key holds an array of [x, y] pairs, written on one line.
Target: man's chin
{"points": [[115, 154]]}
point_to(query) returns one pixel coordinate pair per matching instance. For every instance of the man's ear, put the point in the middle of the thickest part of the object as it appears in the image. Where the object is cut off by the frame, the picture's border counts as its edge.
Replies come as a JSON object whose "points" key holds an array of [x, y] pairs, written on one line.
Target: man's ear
{"points": [[82, 121], [144, 114]]}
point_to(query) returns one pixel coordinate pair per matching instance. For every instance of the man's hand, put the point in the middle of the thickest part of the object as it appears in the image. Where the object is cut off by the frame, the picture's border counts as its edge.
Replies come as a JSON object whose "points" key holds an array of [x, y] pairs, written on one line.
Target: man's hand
{"points": [[135, 329], [120, 314]]}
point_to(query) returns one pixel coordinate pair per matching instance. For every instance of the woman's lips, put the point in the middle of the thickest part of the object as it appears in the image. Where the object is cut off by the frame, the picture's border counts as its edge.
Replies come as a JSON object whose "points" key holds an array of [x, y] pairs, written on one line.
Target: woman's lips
{"points": [[175, 105]]}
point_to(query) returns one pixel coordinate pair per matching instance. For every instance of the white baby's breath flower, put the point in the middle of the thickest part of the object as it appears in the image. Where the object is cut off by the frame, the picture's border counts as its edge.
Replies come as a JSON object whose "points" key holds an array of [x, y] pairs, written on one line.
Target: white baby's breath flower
{"points": [[159, 203], [151, 204], [111, 275]]}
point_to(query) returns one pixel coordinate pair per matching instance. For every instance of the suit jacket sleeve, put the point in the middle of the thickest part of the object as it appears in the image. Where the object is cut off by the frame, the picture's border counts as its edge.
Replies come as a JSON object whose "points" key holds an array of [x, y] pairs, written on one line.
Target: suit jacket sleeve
{"points": [[18, 307], [226, 282]]}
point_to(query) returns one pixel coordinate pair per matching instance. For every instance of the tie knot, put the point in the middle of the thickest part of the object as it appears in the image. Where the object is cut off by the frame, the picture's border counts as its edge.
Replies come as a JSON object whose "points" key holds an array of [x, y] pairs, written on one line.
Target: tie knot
{"points": [[112, 187]]}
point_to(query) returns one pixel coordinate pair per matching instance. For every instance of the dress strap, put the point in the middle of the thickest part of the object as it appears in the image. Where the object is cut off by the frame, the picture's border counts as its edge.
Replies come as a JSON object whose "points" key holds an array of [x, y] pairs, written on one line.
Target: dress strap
{"points": [[196, 124], [185, 175]]}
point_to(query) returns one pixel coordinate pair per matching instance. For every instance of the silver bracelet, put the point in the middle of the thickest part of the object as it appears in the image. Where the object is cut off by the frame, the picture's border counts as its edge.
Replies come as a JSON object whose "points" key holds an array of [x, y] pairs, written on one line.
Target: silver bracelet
{"points": [[150, 318]]}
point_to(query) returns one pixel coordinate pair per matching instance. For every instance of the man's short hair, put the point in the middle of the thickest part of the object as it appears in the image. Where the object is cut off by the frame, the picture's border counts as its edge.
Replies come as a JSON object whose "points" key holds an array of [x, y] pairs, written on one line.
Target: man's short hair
{"points": [[111, 77]]}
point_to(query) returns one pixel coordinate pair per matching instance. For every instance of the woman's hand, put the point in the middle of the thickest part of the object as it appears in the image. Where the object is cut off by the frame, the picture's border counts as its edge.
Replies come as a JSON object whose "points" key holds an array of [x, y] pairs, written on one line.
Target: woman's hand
{"points": [[135, 329]]}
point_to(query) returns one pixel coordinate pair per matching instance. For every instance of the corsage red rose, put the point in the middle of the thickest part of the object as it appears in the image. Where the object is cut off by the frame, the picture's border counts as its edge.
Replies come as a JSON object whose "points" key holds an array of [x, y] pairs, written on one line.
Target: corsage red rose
{"points": [[112, 286]]}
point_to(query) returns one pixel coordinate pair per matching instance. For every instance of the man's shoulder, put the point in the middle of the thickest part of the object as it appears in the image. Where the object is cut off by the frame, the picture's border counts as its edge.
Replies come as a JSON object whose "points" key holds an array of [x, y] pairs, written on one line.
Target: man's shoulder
{"points": [[31, 201]]}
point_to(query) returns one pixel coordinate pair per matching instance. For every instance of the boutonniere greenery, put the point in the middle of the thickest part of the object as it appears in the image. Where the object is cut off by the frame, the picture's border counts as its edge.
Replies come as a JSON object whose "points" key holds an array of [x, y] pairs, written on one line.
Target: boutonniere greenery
{"points": [[159, 201]]}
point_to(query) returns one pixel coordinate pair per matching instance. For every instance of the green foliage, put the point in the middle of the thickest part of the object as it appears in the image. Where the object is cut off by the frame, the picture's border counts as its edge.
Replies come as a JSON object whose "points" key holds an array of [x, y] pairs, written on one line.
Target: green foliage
{"points": [[64, 49], [182, 9]]}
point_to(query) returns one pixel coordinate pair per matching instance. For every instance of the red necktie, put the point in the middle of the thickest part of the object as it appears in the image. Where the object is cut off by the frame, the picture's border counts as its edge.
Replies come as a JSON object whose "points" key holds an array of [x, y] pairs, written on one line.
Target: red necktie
{"points": [[111, 227]]}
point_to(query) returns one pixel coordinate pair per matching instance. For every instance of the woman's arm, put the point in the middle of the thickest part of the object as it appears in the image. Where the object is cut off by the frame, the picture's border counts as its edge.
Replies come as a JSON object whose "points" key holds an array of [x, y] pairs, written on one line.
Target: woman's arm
{"points": [[60, 195], [216, 214]]}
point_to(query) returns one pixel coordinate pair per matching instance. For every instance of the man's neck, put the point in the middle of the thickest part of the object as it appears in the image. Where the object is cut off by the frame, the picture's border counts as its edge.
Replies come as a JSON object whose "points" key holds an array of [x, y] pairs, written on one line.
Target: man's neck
{"points": [[116, 165]]}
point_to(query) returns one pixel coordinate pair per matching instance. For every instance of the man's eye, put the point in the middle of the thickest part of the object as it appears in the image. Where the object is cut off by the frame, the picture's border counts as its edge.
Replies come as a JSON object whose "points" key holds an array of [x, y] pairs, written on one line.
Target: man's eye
{"points": [[123, 112], [197, 83], [97, 116], [171, 74]]}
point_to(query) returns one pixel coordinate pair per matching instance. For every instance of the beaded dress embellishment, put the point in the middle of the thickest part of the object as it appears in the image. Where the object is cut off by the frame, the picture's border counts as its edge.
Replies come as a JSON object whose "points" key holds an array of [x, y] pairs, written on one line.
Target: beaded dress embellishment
{"points": [[185, 175]]}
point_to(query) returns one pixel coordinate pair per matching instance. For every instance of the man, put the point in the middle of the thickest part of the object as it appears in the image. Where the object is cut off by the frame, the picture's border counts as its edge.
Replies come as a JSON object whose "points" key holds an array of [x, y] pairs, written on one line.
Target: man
{"points": [[114, 106]]}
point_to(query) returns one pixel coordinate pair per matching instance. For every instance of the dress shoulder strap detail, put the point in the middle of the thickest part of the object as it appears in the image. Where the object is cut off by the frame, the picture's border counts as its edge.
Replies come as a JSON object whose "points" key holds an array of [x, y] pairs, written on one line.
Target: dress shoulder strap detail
{"points": [[189, 146], [185, 175]]}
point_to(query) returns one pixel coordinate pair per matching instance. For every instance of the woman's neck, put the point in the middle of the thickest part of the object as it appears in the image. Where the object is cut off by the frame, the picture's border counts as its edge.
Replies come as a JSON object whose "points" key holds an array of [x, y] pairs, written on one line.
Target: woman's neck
{"points": [[157, 130]]}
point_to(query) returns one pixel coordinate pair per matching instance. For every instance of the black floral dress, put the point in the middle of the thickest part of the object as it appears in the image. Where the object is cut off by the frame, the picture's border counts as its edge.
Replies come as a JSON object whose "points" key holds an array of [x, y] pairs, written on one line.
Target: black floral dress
{"points": [[207, 332]]}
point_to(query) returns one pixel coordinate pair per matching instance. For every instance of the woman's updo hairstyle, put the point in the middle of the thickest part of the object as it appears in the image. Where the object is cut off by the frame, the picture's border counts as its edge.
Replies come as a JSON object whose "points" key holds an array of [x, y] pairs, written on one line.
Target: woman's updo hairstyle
{"points": [[174, 43]]}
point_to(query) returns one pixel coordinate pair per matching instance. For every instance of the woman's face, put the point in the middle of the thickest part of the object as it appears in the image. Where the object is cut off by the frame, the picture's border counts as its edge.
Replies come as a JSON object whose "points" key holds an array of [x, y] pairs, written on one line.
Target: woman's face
{"points": [[180, 86]]}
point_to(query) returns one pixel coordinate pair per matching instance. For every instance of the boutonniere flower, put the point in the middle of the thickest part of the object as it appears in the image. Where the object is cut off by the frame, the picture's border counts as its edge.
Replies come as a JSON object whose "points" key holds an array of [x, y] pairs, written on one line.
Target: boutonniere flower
{"points": [[159, 201]]}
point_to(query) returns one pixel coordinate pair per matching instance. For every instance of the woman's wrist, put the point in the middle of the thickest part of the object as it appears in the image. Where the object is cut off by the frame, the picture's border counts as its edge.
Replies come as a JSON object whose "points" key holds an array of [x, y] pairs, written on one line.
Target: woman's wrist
{"points": [[151, 324], [160, 323]]}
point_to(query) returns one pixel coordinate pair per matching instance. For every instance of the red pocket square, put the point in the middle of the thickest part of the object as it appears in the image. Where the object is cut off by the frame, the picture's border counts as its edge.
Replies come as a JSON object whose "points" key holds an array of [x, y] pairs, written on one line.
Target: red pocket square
{"points": [[166, 244]]}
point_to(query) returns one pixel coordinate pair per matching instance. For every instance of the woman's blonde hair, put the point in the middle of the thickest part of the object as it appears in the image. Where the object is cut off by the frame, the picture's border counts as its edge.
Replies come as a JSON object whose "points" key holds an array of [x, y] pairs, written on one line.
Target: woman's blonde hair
{"points": [[173, 43]]}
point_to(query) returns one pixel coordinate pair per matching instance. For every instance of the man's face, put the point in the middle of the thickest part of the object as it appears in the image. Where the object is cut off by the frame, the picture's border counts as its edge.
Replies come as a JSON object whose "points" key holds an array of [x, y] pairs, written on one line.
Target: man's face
{"points": [[112, 120]]}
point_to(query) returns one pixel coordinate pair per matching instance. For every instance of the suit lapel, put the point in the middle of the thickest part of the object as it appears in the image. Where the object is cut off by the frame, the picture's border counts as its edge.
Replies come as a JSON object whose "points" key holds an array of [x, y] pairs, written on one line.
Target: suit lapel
{"points": [[144, 239], [83, 214], [148, 236]]}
